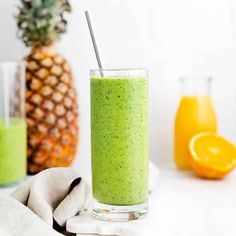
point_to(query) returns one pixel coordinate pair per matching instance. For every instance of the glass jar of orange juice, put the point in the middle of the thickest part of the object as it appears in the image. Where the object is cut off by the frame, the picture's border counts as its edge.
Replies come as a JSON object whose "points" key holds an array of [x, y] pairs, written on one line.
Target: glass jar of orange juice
{"points": [[195, 115]]}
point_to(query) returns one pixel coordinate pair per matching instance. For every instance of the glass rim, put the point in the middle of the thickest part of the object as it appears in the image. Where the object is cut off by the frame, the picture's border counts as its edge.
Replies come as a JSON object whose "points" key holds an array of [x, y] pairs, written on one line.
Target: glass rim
{"points": [[119, 69], [196, 78]]}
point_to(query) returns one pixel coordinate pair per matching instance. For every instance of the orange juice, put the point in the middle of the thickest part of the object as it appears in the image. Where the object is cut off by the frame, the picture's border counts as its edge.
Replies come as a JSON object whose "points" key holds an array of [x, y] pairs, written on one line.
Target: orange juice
{"points": [[195, 114]]}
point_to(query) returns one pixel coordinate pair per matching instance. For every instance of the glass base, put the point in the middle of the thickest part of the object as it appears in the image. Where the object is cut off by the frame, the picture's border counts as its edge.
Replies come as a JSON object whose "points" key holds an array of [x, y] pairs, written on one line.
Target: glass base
{"points": [[107, 212], [11, 184]]}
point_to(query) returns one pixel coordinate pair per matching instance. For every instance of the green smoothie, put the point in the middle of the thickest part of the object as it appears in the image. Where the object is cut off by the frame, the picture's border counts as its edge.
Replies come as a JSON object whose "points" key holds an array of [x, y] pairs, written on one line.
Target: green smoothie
{"points": [[12, 151], [119, 135]]}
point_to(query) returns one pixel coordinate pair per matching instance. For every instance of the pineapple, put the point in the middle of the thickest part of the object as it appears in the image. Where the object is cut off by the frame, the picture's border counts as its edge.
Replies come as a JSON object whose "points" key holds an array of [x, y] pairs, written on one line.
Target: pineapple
{"points": [[51, 99]]}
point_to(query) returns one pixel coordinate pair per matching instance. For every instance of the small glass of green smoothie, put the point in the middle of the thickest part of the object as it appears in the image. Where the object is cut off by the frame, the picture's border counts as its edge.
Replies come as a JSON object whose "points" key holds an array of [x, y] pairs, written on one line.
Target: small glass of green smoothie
{"points": [[12, 123], [119, 143]]}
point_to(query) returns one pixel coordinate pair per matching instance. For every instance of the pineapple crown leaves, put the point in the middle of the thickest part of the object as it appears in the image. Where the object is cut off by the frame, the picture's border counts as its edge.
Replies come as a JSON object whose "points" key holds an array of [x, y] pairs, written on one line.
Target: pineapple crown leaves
{"points": [[40, 22]]}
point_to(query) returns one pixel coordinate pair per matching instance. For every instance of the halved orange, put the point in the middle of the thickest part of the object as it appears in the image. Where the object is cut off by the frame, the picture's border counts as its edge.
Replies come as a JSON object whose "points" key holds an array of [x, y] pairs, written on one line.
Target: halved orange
{"points": [[211, 155]]}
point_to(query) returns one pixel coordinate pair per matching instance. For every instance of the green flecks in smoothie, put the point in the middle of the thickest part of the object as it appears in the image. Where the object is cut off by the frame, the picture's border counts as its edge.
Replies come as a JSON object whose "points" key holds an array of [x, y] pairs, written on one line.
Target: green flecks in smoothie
{"points": [[12, 151], [119, 122]]}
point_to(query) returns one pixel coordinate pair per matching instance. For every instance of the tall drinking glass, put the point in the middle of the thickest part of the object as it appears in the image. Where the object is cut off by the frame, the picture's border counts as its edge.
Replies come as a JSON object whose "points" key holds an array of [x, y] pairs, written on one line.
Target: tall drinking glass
{"points": [[12, 123], [195, 115], [119, 136]]}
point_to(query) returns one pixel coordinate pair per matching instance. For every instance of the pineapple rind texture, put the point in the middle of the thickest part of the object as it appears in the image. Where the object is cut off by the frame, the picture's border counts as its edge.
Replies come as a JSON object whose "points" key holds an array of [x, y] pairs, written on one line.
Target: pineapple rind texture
{"points": [[51, 111]]}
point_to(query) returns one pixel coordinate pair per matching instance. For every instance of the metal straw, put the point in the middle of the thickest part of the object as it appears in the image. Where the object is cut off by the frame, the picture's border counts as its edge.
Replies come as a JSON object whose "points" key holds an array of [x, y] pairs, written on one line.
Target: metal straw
{"points": [[94, 43], [5, 68]]}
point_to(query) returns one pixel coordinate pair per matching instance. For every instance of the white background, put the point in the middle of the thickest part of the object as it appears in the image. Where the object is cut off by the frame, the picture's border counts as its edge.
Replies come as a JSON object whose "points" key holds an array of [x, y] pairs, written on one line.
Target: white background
{"points": [[170, 37]]}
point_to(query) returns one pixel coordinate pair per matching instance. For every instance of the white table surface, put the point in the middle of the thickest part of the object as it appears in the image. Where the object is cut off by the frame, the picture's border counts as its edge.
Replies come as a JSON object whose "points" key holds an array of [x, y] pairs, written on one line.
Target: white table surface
{"points": [[184, 205]]}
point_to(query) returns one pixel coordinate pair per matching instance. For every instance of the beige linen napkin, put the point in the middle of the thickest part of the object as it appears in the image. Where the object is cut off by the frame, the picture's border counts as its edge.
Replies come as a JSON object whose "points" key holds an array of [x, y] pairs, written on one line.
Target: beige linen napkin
{"points": [[55, 195], [18, 220]]}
